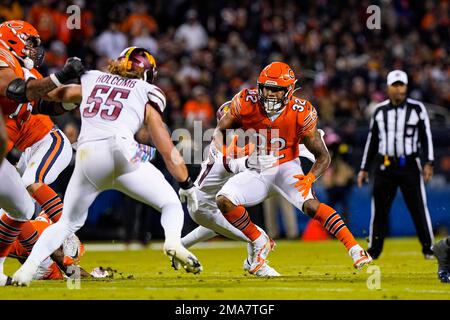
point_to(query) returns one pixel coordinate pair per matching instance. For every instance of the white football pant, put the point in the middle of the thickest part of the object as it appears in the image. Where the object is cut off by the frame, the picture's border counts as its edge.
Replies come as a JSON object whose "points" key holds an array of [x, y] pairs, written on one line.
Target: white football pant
{"points": [[101, 165]]}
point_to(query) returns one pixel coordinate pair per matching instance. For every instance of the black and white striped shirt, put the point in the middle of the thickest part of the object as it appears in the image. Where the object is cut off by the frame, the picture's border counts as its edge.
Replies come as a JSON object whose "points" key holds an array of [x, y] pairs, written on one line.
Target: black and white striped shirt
{"points": [[398, 131]]}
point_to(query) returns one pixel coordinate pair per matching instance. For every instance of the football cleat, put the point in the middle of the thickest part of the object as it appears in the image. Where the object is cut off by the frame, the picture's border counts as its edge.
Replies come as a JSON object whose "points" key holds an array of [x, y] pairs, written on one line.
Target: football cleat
{"points": [[267, 271], [442, 253], [73, 250], [175, 263], [181, 257], [264, 271], [248, 260], [261, 249], [247, 264], [360, 256]]}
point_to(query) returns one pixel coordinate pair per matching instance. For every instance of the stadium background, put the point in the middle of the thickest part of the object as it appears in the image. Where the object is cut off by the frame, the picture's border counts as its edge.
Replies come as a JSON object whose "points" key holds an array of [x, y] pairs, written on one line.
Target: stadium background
{"points": [[208, 50]]}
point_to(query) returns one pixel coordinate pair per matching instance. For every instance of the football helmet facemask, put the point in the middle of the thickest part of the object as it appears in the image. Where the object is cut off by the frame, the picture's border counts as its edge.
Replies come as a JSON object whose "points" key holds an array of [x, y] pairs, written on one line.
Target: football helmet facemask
{"points": [[277, 76]]}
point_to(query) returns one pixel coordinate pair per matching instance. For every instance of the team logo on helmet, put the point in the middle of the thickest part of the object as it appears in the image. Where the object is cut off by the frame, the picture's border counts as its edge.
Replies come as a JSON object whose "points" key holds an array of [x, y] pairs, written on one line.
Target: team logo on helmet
{"points": [[15, 25]]}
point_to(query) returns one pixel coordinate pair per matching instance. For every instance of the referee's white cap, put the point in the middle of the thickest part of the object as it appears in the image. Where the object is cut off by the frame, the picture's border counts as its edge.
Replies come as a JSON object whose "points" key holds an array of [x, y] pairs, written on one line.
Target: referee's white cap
{"points": [[397, 76]]}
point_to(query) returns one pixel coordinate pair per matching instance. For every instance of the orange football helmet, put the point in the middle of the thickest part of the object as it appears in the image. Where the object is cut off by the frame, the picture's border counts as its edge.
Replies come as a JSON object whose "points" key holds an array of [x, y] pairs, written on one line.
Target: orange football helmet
{"points": [[276, 76], [23, 40]]}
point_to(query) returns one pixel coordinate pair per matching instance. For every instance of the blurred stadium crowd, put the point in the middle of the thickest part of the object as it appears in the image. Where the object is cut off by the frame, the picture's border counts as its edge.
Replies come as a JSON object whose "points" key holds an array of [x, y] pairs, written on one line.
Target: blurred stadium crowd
{"points": [[208, 50]]}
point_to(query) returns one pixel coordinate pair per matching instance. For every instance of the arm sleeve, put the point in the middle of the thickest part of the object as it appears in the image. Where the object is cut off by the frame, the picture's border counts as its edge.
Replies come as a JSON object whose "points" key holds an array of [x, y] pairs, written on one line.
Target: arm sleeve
{"points": [[425, 138], [371, 148]]}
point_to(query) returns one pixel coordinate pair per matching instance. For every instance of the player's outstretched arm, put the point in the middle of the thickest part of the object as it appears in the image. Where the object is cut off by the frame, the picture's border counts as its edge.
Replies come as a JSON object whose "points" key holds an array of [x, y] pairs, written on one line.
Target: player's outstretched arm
{"points": [[21, 90], [70, 93], [60, 100], [314, 143], [172, 157], [161, 138]]}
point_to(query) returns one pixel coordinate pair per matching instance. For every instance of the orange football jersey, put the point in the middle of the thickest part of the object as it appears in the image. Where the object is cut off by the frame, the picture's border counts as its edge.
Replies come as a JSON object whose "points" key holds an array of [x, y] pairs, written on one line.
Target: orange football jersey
{"points": [[281, 135], [33, 130]]}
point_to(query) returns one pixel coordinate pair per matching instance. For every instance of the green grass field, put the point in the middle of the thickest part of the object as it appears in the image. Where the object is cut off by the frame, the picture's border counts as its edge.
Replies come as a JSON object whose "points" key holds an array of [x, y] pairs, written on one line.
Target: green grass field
{"points": [[320, 270]]}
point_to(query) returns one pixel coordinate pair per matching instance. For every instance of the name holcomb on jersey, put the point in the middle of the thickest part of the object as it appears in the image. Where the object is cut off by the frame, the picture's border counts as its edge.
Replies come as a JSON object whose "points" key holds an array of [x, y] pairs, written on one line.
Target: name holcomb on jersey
{"points": [[115, 106]]}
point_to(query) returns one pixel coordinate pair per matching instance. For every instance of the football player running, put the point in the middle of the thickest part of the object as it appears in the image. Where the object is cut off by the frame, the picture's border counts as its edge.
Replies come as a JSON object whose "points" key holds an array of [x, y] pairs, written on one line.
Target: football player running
{"points": [[113, 107], [20, 51], [215, 172], [281, 121]]}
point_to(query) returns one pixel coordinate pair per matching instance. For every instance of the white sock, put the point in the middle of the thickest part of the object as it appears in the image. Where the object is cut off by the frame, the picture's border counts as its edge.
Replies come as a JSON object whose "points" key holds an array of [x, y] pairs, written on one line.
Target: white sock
{"points": [[197, 235], [172, 219]]}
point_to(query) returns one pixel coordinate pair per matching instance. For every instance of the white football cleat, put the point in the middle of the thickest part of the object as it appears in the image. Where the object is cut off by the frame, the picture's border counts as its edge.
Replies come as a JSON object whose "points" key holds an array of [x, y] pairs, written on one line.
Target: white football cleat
{"points": [[360, 256], [175, 263], [24, 275], [264, 271], [247, 264], [73, 250], [267, 271], [181, 257], [261, 249], [248, 260]]}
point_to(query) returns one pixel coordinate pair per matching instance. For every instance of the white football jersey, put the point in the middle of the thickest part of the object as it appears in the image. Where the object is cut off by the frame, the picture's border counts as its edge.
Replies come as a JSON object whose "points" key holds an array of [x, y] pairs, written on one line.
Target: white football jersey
{"points": [[115, 106]]}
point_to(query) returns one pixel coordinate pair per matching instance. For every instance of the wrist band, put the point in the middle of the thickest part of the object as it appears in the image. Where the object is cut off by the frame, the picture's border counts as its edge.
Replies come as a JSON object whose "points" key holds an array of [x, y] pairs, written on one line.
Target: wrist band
{"points": [[186, 184], [55, 80]]}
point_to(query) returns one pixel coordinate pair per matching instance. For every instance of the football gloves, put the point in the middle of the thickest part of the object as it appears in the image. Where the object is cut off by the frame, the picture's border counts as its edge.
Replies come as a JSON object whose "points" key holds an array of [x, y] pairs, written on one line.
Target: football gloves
{"points": [[187, 194], [304, 183], [261, 162]]}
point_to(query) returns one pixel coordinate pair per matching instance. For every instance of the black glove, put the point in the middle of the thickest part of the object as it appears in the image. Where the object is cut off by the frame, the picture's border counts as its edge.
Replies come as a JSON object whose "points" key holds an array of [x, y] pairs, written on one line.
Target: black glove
{"points": [[72, 69]]}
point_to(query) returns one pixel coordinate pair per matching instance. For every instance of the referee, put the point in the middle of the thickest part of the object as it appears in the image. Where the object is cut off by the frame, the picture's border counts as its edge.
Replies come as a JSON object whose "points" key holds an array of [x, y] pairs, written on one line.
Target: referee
{"points": [[399, 130]]}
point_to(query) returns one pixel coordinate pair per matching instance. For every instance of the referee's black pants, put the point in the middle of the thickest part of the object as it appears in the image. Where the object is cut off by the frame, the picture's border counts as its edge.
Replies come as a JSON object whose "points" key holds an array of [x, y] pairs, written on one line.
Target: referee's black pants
{"points": [[386, 181]]}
